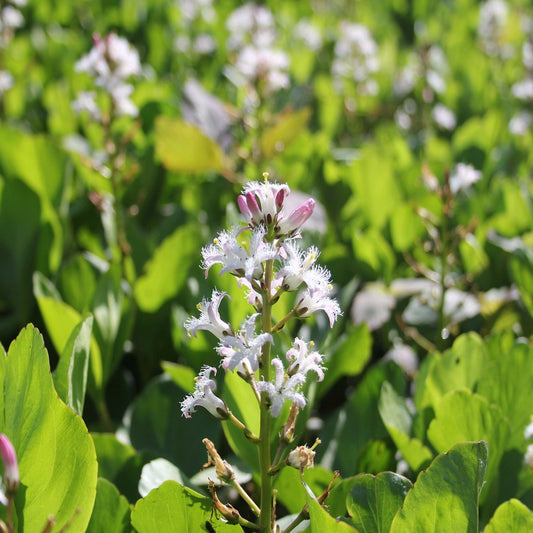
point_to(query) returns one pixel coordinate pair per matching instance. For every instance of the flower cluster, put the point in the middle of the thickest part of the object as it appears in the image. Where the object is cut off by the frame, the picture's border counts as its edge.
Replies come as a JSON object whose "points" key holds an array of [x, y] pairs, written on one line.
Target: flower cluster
{"points": [[252, 37], [356, 57], [492, 20], [111, 61], [425, 72], [267, 261]]}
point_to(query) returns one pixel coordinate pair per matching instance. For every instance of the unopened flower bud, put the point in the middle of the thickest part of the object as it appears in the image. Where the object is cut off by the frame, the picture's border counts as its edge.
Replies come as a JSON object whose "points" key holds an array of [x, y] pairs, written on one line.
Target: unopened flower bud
{"points": [[11, 467]]}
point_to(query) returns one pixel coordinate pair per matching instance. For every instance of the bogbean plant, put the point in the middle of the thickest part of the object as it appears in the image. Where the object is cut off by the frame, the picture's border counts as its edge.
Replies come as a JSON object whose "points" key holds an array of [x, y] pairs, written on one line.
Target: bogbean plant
{"points": [[265, 257]]}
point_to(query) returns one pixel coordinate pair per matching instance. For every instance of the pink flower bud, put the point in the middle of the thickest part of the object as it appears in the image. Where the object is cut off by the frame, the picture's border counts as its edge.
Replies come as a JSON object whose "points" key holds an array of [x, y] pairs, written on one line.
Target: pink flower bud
{"points": [[11, 467], [280, 198], [294, 221], [243, 206], [253, 206]]}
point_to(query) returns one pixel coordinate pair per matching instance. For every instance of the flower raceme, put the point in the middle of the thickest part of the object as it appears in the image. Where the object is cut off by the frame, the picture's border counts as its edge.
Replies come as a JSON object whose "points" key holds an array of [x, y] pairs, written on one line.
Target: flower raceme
{"points": [[265, 257]]}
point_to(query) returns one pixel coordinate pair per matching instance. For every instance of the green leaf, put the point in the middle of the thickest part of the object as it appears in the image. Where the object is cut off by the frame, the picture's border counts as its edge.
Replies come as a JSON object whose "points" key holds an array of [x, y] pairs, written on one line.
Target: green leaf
{"points": [[406, 227], [290, 490], [374, 500], [183, 147], [60, 320], [375, 186], [183, 376], [287, 128], [511, 517], [473, 256], [70, 375], [398, 421], [166, 273], [118, 463], [445, 496], [322, 522], [348, 432], [112, 320], [77, 283], [111, 510], [464, 416], [459, 367], [154, 424], [172, 507], [508, 383], [41, 164], [56, 455], [350, 356], [242, 402], [20, 225], [522, 271]]}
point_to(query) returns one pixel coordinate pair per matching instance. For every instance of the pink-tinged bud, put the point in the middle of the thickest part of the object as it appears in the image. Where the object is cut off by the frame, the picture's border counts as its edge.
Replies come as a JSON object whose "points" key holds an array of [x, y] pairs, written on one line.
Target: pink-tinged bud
{"points": [[280, 198], [96, 39], [294, 221], [11, 467], [253, 206], [243, 206]]}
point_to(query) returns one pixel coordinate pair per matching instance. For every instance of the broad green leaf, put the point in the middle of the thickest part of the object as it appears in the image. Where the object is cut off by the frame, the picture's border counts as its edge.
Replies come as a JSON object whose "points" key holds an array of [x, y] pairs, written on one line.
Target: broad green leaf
{"points": [[377, 456], [242, 402], [459, 367], [374, 500], [290, 490], [373, 253], [511, 517], [473, 256], [464, 416], [172, 507], [155, 424], [182, 375], [60, 320], [375, 187], [287, 128], [41, 164], [166, 272], [508, 383], [111, 510], [118, 463], [70, 375], [406, 227], [349, 358], [20, 227], [57, 459], [322, 522], [522, 271], [398, 421], [112, 321], [77, 283], [183, 147], [349, 430], [336, 501], [445, 496]]}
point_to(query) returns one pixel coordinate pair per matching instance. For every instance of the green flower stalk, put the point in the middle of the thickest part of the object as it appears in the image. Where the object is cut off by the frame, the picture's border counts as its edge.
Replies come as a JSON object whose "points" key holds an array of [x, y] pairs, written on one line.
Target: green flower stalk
{"points": [[263, 254]]}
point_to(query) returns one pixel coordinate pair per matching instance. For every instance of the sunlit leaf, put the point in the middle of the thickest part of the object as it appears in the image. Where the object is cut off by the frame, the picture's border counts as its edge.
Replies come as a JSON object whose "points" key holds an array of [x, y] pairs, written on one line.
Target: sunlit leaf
{"points": [[183, 147], [445, 496], [56, 455]]}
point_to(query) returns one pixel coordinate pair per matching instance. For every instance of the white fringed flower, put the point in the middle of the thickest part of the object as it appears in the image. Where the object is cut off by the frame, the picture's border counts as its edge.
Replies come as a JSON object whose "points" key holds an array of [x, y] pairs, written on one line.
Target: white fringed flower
{"points": [[203, 396]]}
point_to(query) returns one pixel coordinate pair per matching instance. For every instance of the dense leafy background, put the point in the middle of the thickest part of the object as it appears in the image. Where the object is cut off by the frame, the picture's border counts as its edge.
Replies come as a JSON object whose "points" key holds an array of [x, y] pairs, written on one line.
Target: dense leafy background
{"points": [[411, 373]]}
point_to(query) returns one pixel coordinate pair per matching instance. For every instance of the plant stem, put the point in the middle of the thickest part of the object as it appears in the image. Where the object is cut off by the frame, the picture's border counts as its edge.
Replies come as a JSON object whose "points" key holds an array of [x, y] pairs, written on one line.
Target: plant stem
{"points": [[444, 242], [265, 519], [245, 496]]}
